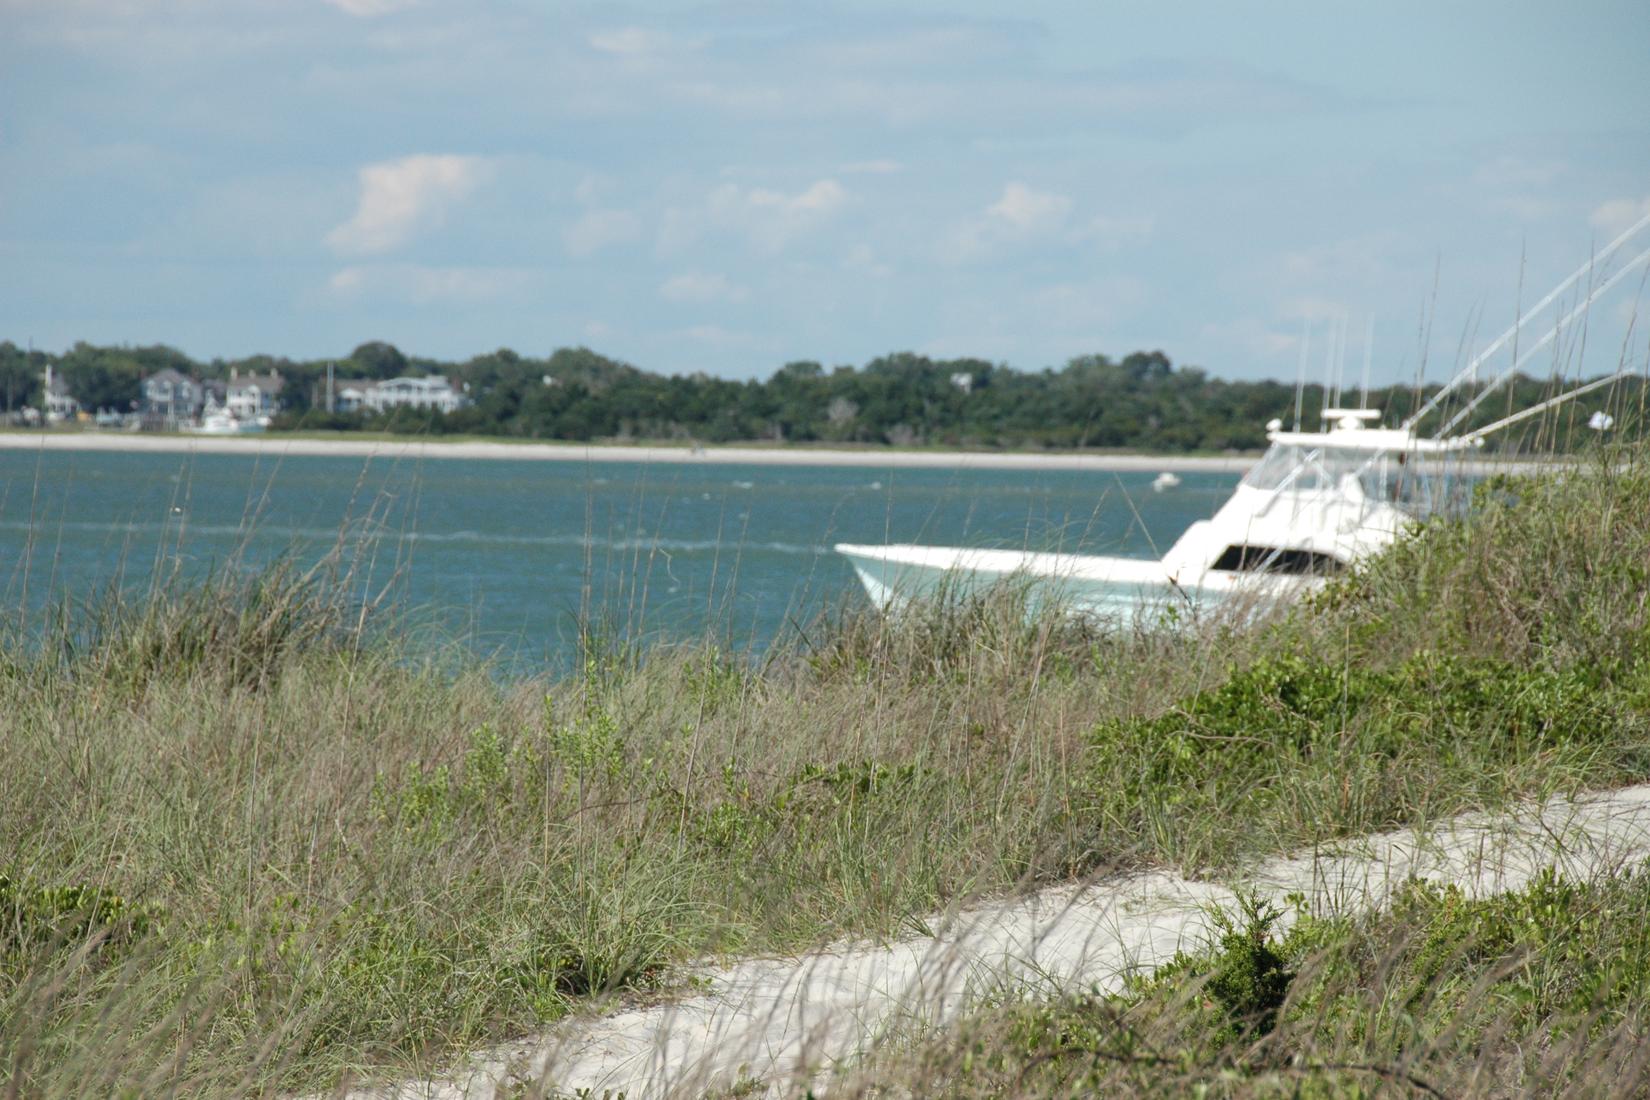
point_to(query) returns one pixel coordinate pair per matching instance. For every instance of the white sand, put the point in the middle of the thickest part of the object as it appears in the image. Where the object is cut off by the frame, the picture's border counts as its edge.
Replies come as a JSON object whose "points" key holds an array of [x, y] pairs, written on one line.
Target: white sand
{"points": [[786, 1022], [278, 445]]}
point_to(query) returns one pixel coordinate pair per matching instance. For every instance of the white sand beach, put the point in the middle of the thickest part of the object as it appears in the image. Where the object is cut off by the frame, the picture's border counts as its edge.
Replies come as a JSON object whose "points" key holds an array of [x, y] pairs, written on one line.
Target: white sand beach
{"points": [[282, 446]]}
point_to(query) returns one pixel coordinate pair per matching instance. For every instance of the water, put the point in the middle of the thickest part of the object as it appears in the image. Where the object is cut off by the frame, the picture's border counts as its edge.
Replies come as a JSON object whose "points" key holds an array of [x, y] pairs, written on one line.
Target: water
{"points": [[508, 555]]}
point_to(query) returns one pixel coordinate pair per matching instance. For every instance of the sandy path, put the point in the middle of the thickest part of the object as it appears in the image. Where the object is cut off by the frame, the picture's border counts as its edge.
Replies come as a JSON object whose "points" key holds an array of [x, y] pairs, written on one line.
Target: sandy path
{"points": [[785, 1021]]}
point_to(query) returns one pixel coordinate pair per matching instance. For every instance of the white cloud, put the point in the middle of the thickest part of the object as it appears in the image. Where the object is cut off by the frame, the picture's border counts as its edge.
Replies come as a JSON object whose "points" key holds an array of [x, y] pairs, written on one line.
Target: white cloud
{"points": [[1029, 211], [424, 285], [366, 9], [1367, 260], [1069, 318], [1255, 338], [770, 220], [718, 337], [638, 43], [1528, 173], [1114, 232], [1314, 308], [872, 168], [589, 189], [863, 259], [1618, 215], [822, 198], [1526, 208], [702, 288], [1020, 215], [1526, 189], [400, 198], [1092, 306], [599, 229], [348, 280]]}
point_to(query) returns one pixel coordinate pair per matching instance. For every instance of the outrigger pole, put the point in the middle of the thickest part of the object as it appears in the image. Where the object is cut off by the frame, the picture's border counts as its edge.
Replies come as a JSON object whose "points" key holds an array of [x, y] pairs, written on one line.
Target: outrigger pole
{"points": [[1552, 333], [1547, 404], [1470, 371]]}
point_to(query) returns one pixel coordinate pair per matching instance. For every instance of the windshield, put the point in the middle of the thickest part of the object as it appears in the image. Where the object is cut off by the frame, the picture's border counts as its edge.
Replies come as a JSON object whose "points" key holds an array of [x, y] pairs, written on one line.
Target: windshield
{"points": [[1306, 469], [1375, 475]]}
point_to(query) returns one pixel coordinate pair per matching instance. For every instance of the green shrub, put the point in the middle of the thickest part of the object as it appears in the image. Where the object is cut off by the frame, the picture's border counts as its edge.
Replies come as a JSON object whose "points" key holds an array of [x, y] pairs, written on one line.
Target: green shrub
{"points": [[1541, 991], [1299, 723], [50, 917]]}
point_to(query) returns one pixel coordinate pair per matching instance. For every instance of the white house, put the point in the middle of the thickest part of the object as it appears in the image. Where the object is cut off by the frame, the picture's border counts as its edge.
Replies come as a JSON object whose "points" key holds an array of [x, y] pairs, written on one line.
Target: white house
{"points": [[172, 396], [351, 396], [253, 396], [434, 392], [60, 403]]}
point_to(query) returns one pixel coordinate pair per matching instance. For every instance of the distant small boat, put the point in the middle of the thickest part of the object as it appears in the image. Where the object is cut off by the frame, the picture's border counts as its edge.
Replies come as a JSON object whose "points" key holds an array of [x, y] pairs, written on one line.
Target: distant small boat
{"points": [[1165, 480], [224, 423]]}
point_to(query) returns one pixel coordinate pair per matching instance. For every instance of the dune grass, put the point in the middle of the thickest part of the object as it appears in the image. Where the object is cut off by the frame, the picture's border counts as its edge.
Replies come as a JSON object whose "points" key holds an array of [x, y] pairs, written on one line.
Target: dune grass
{"points": [[253, 845]]}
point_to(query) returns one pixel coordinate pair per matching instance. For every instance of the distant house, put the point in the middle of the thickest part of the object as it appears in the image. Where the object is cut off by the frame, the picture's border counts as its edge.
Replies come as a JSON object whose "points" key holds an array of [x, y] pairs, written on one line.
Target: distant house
{"points": [[351, 396], [434, 392], [253, 396], [60, 403], [172, 397]]}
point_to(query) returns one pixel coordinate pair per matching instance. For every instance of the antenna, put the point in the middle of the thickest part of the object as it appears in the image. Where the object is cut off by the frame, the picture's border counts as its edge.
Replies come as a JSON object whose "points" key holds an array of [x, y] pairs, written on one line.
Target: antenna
{"points": [[1470, 371], [1369, 353], [1552, 333], [1300, 373], [1340, 357], [1331, 378]]}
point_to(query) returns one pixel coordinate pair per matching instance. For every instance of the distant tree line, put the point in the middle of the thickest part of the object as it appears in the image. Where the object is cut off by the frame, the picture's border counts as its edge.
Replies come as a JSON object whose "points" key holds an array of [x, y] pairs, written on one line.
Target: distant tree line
{"points": [[1141, 401]]}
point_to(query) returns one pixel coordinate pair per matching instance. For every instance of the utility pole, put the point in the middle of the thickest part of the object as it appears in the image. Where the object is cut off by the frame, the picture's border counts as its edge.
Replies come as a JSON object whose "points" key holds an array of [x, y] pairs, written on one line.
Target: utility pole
{"points": [[329, 387]]}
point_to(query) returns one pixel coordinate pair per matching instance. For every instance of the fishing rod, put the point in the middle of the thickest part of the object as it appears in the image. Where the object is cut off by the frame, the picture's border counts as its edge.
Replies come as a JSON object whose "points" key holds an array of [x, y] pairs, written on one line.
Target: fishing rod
{"points": [[1470, 371], [1547, 404], [1552, 334]]}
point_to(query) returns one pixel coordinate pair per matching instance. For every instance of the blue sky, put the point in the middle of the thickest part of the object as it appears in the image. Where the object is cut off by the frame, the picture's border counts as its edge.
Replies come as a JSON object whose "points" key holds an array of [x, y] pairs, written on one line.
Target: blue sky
{"points": [[726, 187]]}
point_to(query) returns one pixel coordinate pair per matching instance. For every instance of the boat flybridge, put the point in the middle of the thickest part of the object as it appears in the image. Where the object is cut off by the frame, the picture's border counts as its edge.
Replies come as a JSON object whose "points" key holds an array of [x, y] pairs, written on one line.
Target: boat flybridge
{"points": [[1316, 502]]}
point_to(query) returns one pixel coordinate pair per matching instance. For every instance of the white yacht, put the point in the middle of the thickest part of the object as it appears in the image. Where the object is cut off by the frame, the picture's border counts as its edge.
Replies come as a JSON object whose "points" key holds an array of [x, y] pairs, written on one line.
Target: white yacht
{"points": [[1315, 503]]}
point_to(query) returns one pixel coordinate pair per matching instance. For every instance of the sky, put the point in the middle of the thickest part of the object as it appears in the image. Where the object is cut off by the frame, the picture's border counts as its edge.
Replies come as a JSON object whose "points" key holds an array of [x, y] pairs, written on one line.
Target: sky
{"points": [[727, 187]]}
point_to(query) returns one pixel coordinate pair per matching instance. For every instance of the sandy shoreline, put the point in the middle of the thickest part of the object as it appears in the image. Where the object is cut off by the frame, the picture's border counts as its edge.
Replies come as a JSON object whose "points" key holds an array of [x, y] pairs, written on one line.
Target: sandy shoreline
{"points": [[280, 446]]}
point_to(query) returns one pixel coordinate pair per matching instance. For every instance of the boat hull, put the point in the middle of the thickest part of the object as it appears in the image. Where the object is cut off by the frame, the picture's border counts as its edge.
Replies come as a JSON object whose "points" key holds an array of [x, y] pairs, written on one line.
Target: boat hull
{"points": [[1121, 590]]}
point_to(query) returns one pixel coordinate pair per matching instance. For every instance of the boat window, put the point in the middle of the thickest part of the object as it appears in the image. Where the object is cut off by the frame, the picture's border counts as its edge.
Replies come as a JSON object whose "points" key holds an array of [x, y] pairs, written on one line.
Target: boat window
{"points": [[1417, 486], [1244, 557], [1274, 467], [1304, 469], [1377, 475]]}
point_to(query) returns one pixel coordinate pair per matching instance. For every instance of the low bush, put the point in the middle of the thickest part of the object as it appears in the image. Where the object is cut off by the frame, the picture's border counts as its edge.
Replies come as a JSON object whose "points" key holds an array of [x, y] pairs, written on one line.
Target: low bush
{"points": [[1544, 991], [1306, 750]]}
